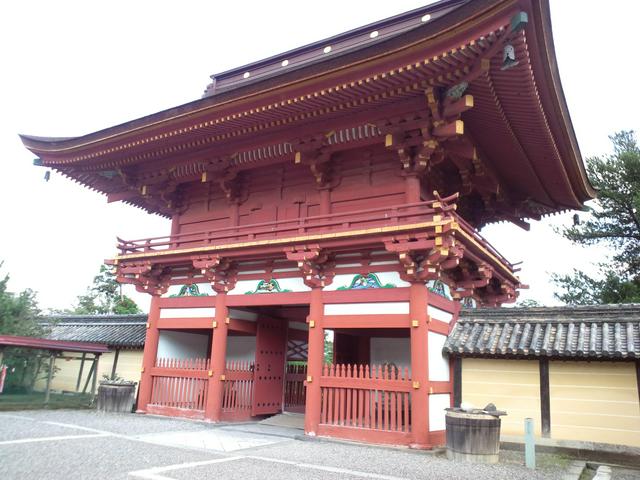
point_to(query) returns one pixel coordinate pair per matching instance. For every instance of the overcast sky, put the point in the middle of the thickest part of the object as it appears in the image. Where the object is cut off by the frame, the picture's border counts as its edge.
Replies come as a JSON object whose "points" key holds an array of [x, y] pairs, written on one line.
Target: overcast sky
{"points": [[71, 68]]}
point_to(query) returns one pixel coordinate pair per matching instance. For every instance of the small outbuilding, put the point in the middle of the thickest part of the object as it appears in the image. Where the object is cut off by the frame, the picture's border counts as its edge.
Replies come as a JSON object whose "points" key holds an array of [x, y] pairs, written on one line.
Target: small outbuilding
{"points": [[124, 335], [575, 370]]}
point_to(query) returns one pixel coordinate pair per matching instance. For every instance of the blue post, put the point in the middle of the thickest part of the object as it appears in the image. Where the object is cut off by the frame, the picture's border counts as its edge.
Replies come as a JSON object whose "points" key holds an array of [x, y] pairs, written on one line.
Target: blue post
{"points": [[529, 444]]}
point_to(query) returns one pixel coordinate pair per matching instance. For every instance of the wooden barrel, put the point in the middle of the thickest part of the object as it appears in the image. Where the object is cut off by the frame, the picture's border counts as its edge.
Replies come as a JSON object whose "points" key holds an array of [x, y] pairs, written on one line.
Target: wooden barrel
{"points": [[116, 397], [473, 437]]}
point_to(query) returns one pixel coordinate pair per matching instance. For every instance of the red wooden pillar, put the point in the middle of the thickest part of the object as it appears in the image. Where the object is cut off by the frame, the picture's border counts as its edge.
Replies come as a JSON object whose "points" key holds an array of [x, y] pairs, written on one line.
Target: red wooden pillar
{"points": [[213, 409], [149, 355], [315, 362], [419, 368]]}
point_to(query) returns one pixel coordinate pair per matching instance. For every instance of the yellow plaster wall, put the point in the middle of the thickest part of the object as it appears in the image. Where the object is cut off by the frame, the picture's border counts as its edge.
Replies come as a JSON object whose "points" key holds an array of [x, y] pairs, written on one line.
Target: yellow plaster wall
{"points": [[512, 385], [128, 367], [595, 401]]}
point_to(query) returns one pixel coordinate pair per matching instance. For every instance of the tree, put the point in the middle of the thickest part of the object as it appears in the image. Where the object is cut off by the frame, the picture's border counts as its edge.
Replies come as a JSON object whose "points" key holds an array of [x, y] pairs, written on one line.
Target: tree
{"points": [[613, 221], [19, 315], [104, 297]]}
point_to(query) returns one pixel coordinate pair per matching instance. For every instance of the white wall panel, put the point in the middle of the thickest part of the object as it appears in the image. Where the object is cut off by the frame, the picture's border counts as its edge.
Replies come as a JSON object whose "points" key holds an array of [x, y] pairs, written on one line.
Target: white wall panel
{"points": [[204, 312], [439, 314], [182, 345], [438, 363], [437, 403], [241, 348], [366, 308]]}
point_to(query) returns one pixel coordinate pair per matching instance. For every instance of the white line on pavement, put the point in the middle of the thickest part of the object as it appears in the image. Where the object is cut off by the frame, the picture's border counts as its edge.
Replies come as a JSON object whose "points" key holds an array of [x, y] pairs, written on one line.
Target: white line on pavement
{"points": [[78, 427], [345, 471], [153, 473], [51, 439]]}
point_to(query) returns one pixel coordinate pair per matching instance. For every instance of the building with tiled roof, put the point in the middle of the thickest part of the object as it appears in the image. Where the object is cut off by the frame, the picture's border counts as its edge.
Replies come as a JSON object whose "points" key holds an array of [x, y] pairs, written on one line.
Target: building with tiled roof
{"points": [[574, 369]]}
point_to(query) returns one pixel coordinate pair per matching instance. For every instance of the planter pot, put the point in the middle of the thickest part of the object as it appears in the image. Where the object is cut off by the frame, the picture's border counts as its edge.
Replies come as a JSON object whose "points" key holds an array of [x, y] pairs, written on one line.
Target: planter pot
{"points": [[116, 397]]}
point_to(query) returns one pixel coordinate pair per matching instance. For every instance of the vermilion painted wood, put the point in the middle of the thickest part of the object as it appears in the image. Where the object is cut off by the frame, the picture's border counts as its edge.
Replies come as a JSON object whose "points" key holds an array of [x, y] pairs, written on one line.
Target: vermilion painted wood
{"points": [[258, 300], [271, 338], [175, 412], [439, 326], [364, 434], [440, 387], [179, 372], [419, 365], [149, 355], [315, 361], [374, 398], [187, 302], [399, 294], [243, 326], [367, 321], [237, 399], [213, 409], [349, 220]]}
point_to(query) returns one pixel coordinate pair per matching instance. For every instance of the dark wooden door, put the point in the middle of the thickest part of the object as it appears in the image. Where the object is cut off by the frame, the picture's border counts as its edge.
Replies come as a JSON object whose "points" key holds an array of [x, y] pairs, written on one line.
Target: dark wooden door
{"points": [[271, 339]]}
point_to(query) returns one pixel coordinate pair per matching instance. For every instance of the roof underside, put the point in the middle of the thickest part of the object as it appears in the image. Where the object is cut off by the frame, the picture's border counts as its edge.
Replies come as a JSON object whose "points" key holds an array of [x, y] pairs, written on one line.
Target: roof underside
{"points": [[593, 332], [519, 121]]}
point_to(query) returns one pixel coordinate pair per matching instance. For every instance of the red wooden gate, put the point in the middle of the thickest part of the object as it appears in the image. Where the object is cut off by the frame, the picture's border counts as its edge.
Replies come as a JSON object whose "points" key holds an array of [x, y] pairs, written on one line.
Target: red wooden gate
{"points": [[269, 368], [366, 404]]}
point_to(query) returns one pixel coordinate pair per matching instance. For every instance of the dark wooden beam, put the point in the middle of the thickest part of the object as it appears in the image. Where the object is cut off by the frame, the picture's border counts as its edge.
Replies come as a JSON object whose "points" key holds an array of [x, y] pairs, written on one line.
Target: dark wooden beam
{"points": [[457, 381], [545, 403], [84, 356], [115, 364]]}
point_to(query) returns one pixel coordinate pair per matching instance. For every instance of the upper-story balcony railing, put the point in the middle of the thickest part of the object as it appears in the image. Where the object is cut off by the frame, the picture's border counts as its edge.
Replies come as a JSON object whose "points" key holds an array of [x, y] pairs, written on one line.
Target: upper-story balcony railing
{"points": [[410, 216]]}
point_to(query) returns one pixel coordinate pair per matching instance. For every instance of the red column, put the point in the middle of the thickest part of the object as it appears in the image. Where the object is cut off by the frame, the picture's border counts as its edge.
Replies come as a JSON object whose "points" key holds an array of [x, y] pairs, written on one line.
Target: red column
{"points": [[419, 368], [315, 361], [149, 355], [213, 409]]}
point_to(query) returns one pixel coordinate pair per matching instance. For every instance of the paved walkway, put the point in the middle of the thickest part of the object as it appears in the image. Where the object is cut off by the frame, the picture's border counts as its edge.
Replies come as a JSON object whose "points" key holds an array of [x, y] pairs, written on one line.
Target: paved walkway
{"points": [[84, 444]]}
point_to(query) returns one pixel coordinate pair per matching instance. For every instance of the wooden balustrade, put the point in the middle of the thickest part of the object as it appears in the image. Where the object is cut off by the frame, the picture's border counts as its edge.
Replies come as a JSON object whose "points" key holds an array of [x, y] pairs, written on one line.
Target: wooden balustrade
{"points": [[366, 402], [237, 396], [394, 215]]}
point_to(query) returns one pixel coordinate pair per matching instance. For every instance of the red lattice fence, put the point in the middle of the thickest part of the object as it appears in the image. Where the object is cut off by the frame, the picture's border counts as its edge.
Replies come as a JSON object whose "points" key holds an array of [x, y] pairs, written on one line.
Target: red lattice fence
{"points": [[366, 403]]}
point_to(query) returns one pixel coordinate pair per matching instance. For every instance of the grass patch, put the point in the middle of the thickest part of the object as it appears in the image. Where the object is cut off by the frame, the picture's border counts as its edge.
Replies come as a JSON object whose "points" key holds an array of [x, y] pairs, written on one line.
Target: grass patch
{"points": [[35, 400]]}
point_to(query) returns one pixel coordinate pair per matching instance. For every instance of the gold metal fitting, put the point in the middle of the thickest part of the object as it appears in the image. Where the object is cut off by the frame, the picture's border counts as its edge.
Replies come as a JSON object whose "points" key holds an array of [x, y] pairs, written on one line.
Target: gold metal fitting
{"points": [[415, 323], [416, 385], [309, 379]]}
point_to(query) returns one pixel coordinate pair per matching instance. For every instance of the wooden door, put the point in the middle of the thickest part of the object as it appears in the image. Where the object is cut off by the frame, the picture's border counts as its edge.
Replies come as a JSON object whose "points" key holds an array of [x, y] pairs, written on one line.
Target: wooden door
{"points": [[271, 338]]}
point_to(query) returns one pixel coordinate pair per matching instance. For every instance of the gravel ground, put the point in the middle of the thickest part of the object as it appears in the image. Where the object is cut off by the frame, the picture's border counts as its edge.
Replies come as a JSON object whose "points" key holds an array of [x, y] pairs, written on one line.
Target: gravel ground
{"points": [[84, 444]]}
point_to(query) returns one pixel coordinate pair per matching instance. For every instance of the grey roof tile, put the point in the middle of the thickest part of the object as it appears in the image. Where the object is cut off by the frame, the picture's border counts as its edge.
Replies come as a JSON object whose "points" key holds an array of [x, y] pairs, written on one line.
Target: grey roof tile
{"points": [[598, 331], [127, 331]]}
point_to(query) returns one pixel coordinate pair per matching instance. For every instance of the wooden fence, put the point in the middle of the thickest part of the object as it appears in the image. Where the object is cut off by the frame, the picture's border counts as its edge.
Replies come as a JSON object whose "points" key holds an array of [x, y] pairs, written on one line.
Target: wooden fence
{"points": [[183, 363], [294, 388], [237, 397], [179, 387], [366, 403]]}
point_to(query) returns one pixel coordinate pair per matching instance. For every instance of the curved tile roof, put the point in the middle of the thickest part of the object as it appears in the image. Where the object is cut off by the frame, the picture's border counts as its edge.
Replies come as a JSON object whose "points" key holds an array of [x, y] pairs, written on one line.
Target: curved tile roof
{"points": [[126, 331], [590, 332]]}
